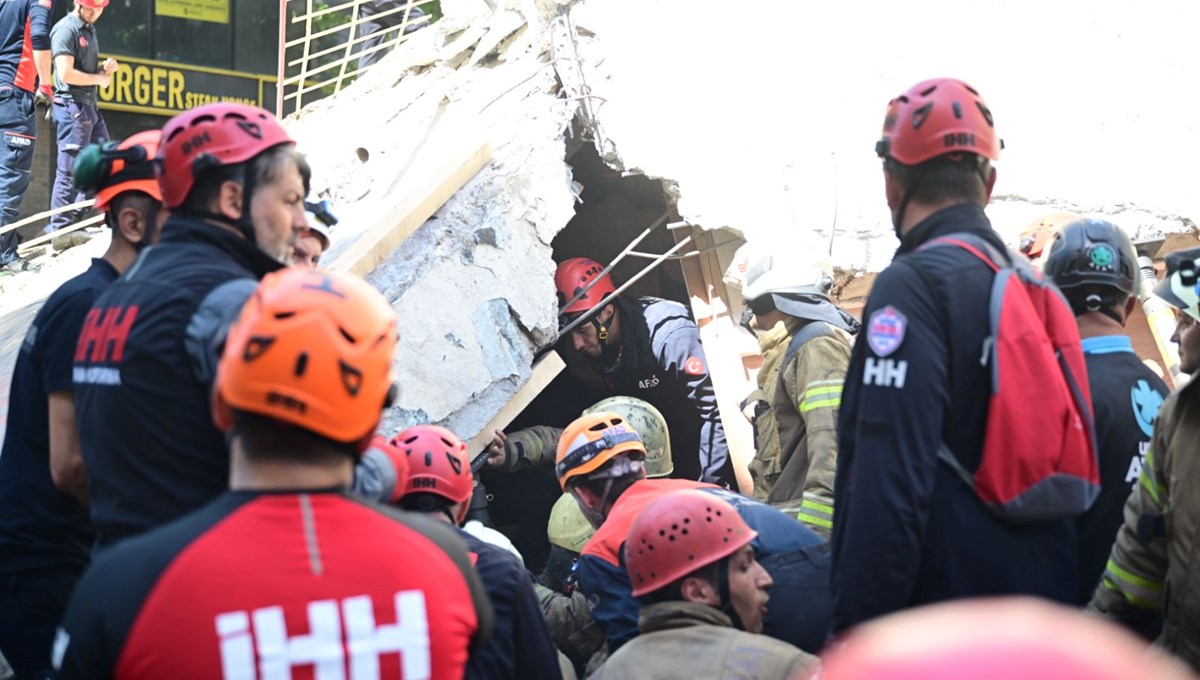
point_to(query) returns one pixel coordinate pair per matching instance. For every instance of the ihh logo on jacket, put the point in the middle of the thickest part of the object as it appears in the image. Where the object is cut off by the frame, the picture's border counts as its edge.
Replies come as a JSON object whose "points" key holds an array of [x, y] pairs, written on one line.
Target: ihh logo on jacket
{"points": [[265, 650], [102, 341]]}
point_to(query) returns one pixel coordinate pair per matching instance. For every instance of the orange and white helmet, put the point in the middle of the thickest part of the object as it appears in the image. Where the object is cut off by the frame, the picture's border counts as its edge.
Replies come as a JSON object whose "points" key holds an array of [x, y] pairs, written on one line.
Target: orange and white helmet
{"points": [[593, 440]]}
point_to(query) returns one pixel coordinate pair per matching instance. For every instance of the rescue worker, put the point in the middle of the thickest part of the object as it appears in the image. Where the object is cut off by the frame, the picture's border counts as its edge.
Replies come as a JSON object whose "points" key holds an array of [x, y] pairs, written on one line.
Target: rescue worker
{"points": [[994, 639], [1036, 238], [78, 74], [567, 611], [649, 348], [1151, 564], [703, 597], [25, 68], [235, 185], [311, 244], [1094, 264], [806, 348], [320, 580], [908, 529], [600, 462], [45, 533], [439, 485]]}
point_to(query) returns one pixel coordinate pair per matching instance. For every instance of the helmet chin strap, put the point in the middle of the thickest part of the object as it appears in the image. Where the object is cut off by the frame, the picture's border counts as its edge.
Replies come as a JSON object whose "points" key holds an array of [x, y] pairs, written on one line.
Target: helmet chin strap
{"points": [[726, 605]]}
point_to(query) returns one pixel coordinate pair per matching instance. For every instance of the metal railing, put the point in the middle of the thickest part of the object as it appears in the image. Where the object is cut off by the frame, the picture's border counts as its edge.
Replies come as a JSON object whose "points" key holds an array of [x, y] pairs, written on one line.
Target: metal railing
{"points": [[325, 44]]}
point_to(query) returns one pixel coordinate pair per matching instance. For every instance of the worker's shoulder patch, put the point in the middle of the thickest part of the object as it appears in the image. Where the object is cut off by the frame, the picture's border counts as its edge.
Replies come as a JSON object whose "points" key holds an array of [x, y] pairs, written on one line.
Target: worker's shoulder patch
{"points": [[694, 366], [885, 330]]}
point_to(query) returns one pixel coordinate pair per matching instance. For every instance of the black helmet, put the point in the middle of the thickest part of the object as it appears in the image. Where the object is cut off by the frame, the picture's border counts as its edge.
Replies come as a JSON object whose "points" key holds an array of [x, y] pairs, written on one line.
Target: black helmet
{"points": [[1089, 252]]}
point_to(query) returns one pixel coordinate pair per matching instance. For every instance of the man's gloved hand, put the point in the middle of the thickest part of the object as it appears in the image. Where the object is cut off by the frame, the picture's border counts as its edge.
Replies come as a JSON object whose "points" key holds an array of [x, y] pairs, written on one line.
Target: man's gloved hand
{"points": [[44, 95]]}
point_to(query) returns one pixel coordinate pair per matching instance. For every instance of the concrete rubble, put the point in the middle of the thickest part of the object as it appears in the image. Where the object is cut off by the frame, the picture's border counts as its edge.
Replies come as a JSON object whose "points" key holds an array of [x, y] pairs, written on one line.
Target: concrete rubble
{"points": [[743, 135]]}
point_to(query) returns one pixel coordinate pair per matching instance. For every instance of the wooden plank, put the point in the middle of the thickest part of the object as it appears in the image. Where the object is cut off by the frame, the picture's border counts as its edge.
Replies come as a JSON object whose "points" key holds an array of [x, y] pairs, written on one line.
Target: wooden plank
{"points": [[428, 193], [43, 215], [33, 243], [729, 375], [545, 370]]}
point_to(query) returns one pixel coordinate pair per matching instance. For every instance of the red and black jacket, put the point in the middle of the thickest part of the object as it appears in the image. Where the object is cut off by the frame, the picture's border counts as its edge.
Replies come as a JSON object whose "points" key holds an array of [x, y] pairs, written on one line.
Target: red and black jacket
{"points": [[267, 584]]}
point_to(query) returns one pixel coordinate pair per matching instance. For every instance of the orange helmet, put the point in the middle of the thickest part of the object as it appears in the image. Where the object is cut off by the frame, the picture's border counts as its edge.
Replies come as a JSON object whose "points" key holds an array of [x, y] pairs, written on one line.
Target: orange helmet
{"points": [[113, 168], [593, 440], [1041, 231], [574, 275], [660, 549], [437, 464], [312, 349]]}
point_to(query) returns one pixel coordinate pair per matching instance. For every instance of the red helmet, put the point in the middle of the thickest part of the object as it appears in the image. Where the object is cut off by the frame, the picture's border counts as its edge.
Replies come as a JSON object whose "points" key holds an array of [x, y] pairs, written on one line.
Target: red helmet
{"points": [[573, 276], [437, 464], [679, 533], [398, 461], [935, 118], [994, 639], [94, 4], [211, 136]]}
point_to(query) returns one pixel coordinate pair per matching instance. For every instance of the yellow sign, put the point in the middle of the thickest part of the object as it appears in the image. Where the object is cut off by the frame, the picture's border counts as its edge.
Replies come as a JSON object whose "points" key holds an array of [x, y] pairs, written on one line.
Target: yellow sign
{"points": [[165, 89], [201, 10]]}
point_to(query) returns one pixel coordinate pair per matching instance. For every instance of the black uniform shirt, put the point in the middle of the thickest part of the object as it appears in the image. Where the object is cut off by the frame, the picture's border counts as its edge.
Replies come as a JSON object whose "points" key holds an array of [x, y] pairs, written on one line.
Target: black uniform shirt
{"points": [[77, 38], [41, 526], [1126, 396]]}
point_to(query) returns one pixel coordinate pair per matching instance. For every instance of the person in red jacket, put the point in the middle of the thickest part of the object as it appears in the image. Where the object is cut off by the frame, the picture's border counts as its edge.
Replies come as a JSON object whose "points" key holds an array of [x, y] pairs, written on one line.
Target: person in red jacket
{"points": [[287, 571], [440, 484]]}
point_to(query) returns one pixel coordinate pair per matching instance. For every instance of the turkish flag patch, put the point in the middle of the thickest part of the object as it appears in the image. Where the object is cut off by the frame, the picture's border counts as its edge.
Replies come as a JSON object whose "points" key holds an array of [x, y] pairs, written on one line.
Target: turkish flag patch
{"points": [[82, 41], [694, 366]]}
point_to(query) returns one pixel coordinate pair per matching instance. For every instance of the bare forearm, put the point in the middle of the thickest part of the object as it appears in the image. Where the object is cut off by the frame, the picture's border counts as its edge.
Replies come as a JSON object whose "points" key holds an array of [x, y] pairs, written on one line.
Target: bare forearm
{"points": [[43, 62], [80, 79], [66, 462]]}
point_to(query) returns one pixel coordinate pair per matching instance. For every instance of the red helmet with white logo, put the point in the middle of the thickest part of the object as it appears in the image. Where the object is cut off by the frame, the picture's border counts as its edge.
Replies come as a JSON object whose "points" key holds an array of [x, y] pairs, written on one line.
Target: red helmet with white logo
{"points": [[936, 118], [573, 276], [437, 464], [211, 136]]}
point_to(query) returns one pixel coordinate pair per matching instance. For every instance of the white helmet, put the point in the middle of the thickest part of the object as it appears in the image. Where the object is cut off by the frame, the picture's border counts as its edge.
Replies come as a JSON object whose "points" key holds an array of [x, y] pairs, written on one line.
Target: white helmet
{"points": [[1179, 287], [786, 273]]}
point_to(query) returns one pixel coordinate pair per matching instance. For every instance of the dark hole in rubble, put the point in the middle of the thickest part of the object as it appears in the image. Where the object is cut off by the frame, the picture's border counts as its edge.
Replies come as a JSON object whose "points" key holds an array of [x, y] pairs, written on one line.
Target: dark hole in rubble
{"points": [[613, 211], [363, 154]]}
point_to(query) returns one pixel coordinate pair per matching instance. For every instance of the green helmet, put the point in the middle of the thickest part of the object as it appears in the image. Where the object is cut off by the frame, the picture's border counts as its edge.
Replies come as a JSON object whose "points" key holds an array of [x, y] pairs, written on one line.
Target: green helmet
{"points": [[568, 528], [648, 422]]}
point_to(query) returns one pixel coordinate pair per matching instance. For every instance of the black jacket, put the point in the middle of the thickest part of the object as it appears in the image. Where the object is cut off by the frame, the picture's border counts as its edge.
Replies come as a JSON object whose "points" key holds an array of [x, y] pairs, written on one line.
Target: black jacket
{"points": [[663, 362], [143, 372], [521, 646], [907, 531]]}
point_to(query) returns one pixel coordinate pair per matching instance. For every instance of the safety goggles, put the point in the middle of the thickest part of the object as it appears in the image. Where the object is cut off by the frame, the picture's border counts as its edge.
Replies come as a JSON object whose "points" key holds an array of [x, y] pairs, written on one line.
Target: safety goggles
{"points": [[584, 454]]}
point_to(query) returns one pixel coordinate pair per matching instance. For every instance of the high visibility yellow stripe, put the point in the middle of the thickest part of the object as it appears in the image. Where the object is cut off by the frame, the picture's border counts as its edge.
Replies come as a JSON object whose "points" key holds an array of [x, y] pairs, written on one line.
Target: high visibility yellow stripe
{"points": [[818, 391], [1138, 590], [806, 407], [816, 512], [1146, 479]]}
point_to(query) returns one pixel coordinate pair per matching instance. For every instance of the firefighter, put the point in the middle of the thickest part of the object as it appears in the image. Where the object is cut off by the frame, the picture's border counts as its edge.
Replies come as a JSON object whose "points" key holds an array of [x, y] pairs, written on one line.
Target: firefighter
{"points": [[649, 348], [46, 535], [286, 569], [908, 529], [806, 348], [1094, 264], [703, 597], [439, 485], [1151, 566], [600, 462]]}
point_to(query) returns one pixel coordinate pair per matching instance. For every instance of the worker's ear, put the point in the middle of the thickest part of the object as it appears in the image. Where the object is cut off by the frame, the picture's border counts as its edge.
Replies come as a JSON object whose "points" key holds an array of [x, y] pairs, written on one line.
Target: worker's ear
{"points": [[230, 200], [699, 590], [222, 414], [132, 224]]}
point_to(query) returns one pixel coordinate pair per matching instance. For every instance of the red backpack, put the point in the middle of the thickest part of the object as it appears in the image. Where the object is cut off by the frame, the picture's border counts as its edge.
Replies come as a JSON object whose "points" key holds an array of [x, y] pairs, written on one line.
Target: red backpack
{"points": [[1039, 459]]}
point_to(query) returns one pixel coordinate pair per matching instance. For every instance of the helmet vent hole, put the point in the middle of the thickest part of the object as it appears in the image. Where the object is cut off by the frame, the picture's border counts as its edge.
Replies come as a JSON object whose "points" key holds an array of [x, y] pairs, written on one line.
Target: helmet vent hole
{"points": [[674, 527], [691, 558], [598, 427], [352, 378], [684, 532], [301, 364], [928, 91], [687, 520], [671, 538], [987, 115], [725, 539], [280, 316], [346, 334], [255, 348], [957, 110], [662, 532], [428, 459]]}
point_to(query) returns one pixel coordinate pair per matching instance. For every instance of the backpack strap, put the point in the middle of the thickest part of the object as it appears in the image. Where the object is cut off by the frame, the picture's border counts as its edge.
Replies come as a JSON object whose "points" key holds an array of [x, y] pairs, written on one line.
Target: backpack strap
{"points": [[809, 331], [977, 246]]}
